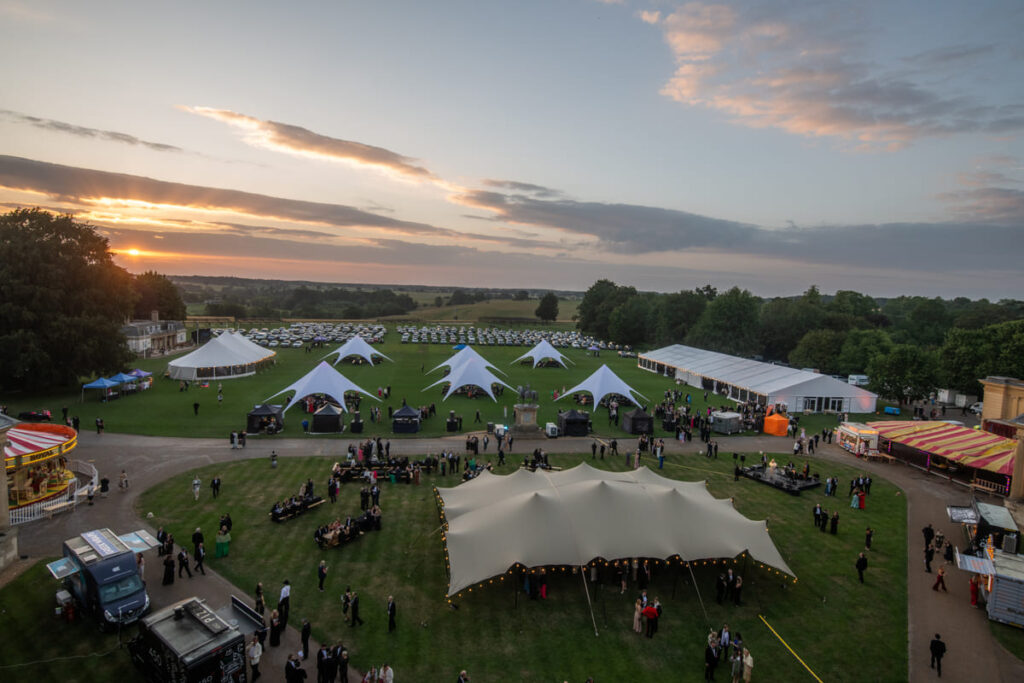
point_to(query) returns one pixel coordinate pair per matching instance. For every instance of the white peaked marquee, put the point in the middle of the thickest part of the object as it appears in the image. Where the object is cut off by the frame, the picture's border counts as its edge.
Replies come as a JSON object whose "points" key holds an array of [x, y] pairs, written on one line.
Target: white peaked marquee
{"points": [[582, 514], [602, 383], [356, 346], [473, 372], [323, 379], [543, 350], [465, 354], [222, 357]]}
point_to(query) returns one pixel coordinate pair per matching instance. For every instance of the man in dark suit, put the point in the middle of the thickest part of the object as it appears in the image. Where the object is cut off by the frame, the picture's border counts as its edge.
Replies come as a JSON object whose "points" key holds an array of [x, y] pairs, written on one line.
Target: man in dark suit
{"points": [[710, 661], [862, 564], [929, 555], [938, 649], [354, 609], [305, 633], [324, 659], [391, 614]]}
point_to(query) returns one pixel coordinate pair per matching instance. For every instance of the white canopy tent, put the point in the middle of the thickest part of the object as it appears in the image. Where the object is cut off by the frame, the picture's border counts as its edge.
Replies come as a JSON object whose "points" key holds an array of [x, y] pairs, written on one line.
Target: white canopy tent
{"points": [[472, 372], [582, 514], [222, 357], [744, 379], [323, 379], [543, 350], [356, 346], [602, 383], [465, 354]]}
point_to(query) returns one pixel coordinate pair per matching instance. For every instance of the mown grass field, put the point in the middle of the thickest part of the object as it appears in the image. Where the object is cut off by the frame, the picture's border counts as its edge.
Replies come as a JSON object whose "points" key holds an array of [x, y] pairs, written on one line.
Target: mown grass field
{"points": [[35, 645], [164, 410], [835, 624]]}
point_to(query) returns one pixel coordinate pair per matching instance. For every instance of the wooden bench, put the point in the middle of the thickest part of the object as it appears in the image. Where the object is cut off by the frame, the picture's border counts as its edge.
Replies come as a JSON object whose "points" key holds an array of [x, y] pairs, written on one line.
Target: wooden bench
{"points": [[59, 506], [987, 486]]}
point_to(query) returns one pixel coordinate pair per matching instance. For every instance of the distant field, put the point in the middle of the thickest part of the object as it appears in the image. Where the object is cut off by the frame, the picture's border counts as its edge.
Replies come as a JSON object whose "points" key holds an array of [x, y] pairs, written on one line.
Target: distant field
{"points": [[493, 308]]}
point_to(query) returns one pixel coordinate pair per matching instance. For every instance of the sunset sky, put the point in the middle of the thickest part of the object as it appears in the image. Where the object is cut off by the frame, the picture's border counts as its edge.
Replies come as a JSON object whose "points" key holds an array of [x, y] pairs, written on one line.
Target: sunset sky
{"points": [[871, 145]]}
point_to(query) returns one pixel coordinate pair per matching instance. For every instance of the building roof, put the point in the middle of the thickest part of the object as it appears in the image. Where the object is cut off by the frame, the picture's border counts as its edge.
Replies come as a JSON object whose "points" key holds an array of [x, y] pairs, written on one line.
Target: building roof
{"points": [[582, 514], [970, 447], [761, 378]]}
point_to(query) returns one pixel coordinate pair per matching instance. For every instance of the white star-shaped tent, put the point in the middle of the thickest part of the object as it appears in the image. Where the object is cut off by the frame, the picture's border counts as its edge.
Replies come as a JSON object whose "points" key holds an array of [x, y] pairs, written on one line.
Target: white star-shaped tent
{"points": [[323, 379]]}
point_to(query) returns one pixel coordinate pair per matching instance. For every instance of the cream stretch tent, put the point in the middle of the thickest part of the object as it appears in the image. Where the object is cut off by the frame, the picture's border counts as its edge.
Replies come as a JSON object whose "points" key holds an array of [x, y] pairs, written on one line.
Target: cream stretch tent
{"points": [[323, 379], [356, 346], [465, 354], [223, 357], [473, 372], [602, 383], [543, 350], [573, 517]]}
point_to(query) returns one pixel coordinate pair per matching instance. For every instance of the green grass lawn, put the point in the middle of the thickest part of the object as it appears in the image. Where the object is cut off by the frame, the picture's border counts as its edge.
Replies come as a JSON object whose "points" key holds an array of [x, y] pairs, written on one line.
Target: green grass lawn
{"points": [[166, 411], [827, 617], [1010, 637], [57, 650]]}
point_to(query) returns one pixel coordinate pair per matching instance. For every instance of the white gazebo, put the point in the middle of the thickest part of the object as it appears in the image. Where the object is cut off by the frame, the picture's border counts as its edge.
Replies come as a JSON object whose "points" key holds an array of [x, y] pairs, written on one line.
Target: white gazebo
{"points": [[602, 383], [544, 350], [466, 353], [472, 372], [356, 346], [323, 379]]}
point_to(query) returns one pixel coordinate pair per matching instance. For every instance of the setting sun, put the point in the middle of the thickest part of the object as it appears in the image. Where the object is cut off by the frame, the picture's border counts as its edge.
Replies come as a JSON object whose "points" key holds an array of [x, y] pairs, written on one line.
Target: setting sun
{"points": [[133, 252]]}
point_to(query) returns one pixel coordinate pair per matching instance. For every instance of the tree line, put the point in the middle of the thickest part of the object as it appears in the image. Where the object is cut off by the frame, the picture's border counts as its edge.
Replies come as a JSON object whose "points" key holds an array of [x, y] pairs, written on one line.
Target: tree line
{"points": [[907, 345]]}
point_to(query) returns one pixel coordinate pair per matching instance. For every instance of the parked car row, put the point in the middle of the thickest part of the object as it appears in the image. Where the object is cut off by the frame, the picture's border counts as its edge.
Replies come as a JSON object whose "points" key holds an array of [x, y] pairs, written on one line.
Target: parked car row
{"points": [[298, 335], [496, 336]]}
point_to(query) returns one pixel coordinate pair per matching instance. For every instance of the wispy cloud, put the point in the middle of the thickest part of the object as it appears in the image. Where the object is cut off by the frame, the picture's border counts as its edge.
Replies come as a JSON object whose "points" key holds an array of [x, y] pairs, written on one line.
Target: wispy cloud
{"points": [[85, 132], [768, 66], [291, 139]]}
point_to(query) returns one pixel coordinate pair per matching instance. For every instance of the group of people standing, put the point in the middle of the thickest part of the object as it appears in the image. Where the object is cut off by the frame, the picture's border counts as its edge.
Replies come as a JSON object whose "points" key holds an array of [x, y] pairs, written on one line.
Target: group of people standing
{"points": [[724, 647]]}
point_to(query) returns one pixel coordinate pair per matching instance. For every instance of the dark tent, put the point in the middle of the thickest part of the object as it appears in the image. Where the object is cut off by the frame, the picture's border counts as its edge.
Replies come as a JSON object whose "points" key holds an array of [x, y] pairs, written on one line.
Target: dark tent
{"points": [[638, 422], [573, 423], [405, 420], [327, 420], [260, 416]]}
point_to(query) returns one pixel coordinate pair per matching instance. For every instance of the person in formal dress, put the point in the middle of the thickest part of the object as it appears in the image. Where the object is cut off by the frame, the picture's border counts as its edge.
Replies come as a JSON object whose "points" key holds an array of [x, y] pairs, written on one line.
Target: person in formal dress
{"points": [[284, 602], [168, 570], [938, 651], [637, 607], [711, 653], [974, 591], [354, 609], [748, 665], [391, 614], [254, 652], [275, 628], [861, 565], [321, 574], [304, 634], [260, 603], [940, 580], [200, 558]]}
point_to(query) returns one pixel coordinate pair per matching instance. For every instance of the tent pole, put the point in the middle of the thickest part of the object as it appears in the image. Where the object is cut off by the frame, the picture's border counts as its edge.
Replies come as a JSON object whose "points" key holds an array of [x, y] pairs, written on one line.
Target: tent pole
{"points": [[586, 591], [697, 589]]}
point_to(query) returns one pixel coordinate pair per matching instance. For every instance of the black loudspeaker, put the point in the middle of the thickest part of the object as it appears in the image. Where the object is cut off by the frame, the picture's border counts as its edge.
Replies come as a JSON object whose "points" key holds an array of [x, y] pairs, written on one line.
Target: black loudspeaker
{"points": [[356, 427]]}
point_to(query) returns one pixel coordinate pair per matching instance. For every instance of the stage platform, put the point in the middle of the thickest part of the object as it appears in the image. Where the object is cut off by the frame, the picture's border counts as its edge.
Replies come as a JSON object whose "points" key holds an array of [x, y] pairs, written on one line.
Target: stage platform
{"points": [[779, 478]]}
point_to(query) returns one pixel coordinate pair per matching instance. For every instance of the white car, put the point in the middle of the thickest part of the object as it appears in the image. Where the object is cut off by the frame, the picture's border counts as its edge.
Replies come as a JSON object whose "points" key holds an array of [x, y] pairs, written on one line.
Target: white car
{"points": [[976, 408]]}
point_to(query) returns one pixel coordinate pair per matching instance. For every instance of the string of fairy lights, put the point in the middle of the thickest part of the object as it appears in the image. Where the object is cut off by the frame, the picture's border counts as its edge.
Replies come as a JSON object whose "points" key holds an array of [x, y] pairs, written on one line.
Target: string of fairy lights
{"points": [[675, 560]]}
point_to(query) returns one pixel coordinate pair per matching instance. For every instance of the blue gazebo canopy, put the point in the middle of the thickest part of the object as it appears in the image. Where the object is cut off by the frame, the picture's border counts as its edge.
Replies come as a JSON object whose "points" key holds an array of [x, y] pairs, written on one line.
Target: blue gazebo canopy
{"points": [[139, 373], [122, 378], [101, 383]]}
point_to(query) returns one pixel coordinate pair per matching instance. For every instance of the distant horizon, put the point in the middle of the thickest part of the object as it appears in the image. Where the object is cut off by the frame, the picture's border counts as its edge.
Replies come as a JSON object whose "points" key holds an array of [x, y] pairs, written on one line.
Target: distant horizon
{"points": [[662, 144]]}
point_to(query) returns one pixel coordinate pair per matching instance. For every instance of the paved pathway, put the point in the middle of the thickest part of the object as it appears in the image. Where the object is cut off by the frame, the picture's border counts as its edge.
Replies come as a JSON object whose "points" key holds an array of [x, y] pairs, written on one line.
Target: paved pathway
{"points": [[973, 652]]}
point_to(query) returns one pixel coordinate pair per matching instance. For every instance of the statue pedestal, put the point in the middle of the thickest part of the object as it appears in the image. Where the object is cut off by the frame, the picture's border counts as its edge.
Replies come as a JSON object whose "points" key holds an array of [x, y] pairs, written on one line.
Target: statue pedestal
{"points": [[526, 419]]}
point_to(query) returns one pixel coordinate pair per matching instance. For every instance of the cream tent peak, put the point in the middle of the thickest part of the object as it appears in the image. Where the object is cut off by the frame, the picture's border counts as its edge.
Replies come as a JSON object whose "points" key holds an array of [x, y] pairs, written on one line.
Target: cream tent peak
{"points": [[323, 379], [583, 514], [543, 350], [356, 346], [465, 354], [472, 372], [602, 383]]}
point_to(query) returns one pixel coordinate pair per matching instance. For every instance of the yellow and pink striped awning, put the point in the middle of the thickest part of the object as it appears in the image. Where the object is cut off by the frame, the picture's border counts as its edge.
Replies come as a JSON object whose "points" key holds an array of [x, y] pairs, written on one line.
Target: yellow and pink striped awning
{"points": [[968, 447]]}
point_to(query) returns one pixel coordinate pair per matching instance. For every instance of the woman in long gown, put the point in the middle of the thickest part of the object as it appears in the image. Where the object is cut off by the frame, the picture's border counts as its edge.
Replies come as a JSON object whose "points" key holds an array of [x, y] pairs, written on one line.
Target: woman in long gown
{"points": [[855, 502], [974, 591], [636, 616], [168, 570], [861, 498], [275, 629]]}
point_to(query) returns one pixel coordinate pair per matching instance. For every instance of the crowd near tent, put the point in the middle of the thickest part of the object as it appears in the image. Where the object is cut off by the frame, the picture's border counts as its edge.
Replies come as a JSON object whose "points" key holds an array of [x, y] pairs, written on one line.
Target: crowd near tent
{"points": [[472, 372], [603, 383], [543, 351], [323, 379], [570, 518], [752, 381], [224, 357], [356, 346]]}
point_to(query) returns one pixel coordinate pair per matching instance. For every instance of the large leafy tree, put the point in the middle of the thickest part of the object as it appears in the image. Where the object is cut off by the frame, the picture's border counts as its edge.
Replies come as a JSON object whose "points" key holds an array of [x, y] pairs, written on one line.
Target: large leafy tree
{"points": [[595, 310], [729, 324], [906, 373], [632, 322], [547, 309], [859, 347], [970, 355], [818, 349], [62, 301], [676, 313], [157, 293], [784, 322]]}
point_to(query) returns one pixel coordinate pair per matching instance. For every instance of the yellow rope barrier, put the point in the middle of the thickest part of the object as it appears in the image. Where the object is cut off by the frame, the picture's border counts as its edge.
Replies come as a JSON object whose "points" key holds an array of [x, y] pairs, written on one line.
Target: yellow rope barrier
{"points": [[789, 648]]}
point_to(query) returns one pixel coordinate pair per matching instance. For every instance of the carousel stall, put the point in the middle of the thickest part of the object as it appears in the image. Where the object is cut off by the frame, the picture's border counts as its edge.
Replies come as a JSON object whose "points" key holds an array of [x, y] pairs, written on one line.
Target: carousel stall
{"points": [[36, 462]]}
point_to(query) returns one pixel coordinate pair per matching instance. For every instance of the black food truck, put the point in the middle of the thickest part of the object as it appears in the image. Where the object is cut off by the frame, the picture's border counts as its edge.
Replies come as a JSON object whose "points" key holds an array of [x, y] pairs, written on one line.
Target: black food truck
{"points": [[188, 642]]}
